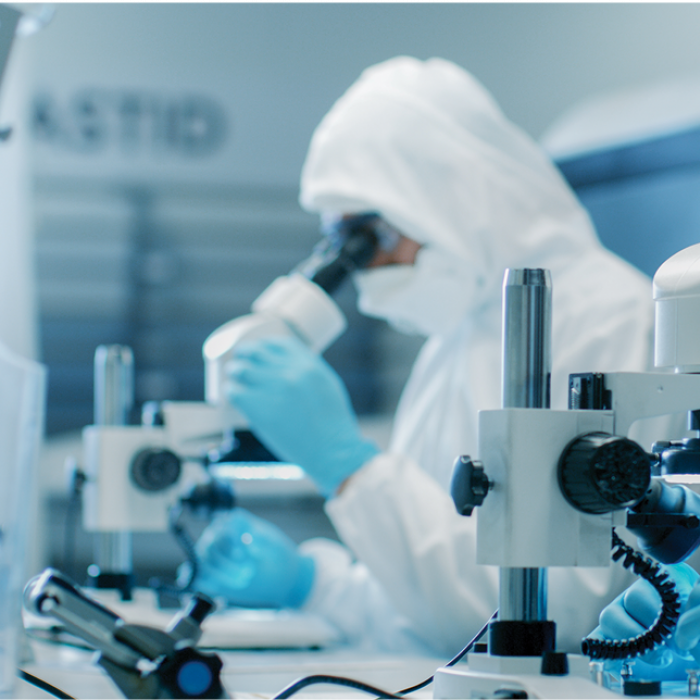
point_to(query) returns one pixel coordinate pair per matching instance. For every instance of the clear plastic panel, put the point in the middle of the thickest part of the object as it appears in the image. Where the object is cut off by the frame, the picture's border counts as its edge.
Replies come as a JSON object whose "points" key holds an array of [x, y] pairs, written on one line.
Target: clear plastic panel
{"points": [[22, 402]]}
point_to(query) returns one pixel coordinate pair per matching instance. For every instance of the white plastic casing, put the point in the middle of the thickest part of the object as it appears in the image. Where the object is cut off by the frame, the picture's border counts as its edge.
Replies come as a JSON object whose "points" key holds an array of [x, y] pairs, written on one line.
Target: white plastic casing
{"points": [[111, 503], [290, 305], [309, 311], [525, 521], [677, 309]]}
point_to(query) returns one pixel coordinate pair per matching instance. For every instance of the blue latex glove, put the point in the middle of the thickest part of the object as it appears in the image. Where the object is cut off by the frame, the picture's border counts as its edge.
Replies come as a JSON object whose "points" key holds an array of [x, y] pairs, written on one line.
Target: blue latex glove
{"points": [[299, 408], [687, 634], [635, 610], [251, 563]]}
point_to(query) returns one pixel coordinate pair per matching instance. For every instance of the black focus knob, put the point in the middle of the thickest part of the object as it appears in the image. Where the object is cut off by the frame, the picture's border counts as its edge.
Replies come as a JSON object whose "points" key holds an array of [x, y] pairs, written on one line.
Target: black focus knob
{"points": [[155, 469], [190, 673], [600, 473], [554, 663], [641, 688], [469, 484], [200, 606]]}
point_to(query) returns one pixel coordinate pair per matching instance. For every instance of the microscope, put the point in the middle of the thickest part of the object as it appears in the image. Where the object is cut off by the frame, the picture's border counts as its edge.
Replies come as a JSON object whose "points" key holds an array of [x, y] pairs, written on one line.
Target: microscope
{"points": [[134, 474], [551, 486]]}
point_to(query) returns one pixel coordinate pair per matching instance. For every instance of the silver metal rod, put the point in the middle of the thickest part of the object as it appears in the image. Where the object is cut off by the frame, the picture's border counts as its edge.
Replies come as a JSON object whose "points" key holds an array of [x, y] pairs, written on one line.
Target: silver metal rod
{"points": [[113, 554], [114, 384], [526, 375], [527, 339], [522, 594], [114, 398]]}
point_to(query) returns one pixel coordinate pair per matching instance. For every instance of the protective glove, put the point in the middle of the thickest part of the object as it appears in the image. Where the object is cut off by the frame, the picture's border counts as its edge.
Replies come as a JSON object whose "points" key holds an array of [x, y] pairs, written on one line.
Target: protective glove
{"points": [[299, 408], [687, 634], [251, 563], [635, 610]]}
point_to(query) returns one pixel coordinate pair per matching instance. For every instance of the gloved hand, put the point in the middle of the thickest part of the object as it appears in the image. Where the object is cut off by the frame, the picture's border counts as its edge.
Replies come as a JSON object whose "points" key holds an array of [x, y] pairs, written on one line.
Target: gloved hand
{"points": [[299, 408], [251, 563], [687, 634], [635, 610]]}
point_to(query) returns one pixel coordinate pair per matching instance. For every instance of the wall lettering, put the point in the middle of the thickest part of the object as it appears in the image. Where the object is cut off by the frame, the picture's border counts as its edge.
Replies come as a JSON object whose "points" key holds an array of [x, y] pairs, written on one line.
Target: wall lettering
{"points": [[131, 122]]}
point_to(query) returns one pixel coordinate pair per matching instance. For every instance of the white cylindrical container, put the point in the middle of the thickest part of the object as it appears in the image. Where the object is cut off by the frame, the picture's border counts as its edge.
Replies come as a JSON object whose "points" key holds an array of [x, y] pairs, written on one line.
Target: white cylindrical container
{"points": [[677, 311]]}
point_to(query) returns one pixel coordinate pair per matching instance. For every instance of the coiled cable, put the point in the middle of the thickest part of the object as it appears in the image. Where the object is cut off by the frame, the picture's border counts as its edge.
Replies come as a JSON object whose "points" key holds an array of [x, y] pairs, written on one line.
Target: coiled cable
{"points": [[651, 571]]}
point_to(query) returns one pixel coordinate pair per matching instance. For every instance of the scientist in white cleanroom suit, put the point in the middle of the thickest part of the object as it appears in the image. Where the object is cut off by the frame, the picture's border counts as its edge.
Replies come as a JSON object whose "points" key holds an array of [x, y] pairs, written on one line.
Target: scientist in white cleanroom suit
{"points": [[425, 146]]}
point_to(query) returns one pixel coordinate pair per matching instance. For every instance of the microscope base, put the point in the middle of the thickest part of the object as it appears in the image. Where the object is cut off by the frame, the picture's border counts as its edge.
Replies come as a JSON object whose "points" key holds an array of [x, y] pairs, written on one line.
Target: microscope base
{"points": [[484, 676]]}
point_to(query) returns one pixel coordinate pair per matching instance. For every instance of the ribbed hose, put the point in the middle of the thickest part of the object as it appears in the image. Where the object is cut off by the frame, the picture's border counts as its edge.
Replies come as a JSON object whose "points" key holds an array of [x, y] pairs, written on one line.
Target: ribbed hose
{"points": [[652, 572]]}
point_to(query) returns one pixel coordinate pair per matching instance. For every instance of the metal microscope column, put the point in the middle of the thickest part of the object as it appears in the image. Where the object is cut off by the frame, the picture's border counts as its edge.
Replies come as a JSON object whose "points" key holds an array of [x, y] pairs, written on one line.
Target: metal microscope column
{"points": [[114, 398], [526, 373]]}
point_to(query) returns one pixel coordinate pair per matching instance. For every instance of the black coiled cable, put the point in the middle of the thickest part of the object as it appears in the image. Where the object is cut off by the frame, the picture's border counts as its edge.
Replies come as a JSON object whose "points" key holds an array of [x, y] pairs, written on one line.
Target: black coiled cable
{"points": [[652, 572]]}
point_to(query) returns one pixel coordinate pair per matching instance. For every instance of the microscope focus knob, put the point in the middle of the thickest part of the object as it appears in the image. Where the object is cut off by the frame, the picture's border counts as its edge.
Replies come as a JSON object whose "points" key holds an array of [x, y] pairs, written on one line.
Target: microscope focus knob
{"points": [[155, 469], [600, 473], [469, 484], [190, 673]]}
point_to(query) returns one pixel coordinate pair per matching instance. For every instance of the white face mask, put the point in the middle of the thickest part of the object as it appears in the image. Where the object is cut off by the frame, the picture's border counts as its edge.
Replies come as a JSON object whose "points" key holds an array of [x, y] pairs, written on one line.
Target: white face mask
{"points": [[430, 297]]}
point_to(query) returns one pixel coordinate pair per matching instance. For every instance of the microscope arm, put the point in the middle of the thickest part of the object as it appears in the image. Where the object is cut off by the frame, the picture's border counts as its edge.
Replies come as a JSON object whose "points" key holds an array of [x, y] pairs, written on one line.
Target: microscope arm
{"points": [[144, 662], [637, 395]]}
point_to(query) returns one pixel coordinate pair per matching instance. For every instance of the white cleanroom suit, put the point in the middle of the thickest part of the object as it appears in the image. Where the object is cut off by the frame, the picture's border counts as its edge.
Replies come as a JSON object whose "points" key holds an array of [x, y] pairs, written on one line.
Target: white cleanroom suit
{"points": [[424, 145]]}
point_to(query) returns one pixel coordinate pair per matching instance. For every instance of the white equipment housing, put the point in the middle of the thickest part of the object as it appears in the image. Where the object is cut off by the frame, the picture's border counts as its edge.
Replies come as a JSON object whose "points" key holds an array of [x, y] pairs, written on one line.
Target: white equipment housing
{"points": [[520, 451], [291, 305]]}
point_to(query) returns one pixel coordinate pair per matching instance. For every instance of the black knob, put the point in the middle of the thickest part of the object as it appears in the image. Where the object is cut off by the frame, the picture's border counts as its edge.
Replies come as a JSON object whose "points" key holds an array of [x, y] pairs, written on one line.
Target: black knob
{"points": [[192, 674], [555, 663], [205, 499], [469, 484], [641, 688], [599, 473], [155, 469], [199, 607]]}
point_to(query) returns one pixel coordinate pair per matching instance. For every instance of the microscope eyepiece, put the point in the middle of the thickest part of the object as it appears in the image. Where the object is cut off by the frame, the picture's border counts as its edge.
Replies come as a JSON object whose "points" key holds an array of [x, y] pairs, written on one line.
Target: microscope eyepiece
{"points": [[349, 244]]}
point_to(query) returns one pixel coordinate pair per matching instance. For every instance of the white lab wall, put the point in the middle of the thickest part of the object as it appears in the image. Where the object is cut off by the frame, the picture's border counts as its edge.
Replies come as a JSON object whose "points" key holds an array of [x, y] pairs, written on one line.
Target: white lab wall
{"points": [[274, 70], [277, 68]]}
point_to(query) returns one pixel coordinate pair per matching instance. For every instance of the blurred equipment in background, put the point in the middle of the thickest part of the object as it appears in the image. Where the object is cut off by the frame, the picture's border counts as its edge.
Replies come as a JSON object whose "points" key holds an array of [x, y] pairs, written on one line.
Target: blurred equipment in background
{"points": [[143, 662], [134, 475], [157, 268], [22, 403]]}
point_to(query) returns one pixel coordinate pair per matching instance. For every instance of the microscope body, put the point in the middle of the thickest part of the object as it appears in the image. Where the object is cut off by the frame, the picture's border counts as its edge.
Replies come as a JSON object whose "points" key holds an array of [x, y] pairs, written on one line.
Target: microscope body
{"points": [[134, 473], [530, 517], [526, 521]]}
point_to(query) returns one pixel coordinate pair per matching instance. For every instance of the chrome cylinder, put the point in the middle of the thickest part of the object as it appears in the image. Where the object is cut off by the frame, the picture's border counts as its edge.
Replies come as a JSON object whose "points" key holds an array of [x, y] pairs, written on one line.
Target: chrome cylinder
{"points": [[527, 339], [114, 384], [522, 594], [113, 400], [526, 375]]}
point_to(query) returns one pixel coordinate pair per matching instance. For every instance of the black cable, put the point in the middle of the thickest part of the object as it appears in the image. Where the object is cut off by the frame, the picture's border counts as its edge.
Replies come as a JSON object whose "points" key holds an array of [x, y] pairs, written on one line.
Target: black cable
{"points": [[43, 685], [475, 639], [296, 686], [302, 683], [652, 572], [454, 660]]}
